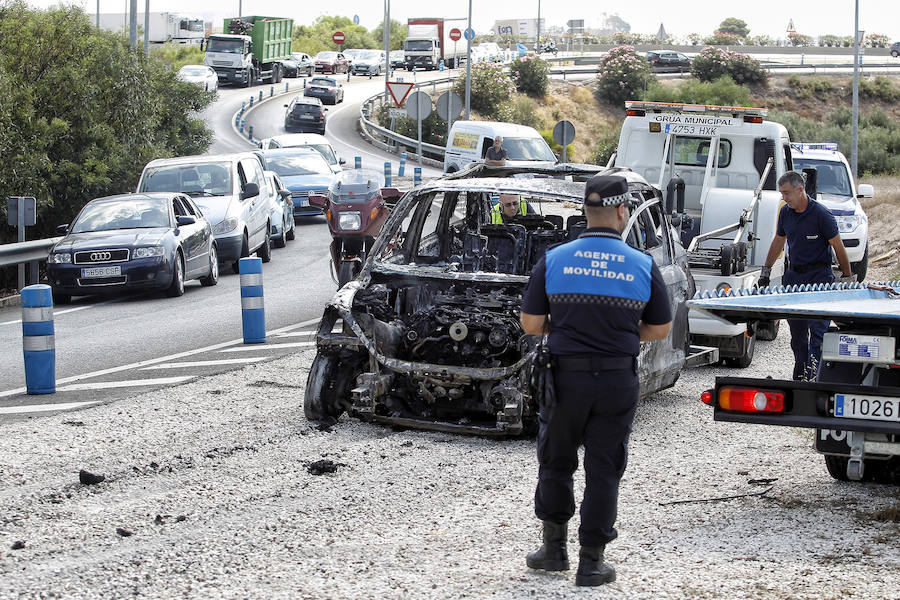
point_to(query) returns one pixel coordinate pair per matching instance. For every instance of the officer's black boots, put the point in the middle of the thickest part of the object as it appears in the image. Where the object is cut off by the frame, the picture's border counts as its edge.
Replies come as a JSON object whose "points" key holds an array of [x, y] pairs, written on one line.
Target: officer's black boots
{"points": [[552, 555], [591, 568]]}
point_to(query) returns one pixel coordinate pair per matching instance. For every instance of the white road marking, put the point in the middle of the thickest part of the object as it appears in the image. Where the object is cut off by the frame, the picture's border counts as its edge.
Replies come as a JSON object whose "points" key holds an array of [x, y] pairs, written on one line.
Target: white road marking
{"points": [[252, 347], [32, 408], [205, 363], [104, 385], [56, 313], [308, 332], [153, 361]]}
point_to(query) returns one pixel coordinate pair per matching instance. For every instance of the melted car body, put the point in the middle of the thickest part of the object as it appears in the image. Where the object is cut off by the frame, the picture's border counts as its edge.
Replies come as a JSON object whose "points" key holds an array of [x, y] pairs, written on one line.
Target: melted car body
{"points": [[428, 334]]}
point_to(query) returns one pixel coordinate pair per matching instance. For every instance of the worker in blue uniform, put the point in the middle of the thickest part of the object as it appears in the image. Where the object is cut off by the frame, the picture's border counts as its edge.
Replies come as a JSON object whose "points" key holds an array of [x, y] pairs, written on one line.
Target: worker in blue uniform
{"points": [[811, 232], [598, 298]]}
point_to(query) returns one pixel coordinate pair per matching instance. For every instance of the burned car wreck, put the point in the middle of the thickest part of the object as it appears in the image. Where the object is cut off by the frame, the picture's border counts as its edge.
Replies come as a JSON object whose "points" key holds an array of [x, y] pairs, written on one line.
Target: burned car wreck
{"points": [[428, 334]]}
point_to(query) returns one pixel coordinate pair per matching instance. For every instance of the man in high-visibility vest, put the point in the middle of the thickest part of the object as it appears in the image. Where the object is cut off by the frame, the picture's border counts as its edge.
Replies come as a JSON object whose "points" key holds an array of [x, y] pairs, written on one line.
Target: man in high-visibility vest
{"points": [[508, 207]]}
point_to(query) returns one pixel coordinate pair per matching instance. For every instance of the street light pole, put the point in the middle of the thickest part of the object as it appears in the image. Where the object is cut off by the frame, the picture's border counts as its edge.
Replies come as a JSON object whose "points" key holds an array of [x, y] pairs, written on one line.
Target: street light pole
{"points": [[469, 36], [854, 150], [386, 38], [147, 28], [537, 43]]}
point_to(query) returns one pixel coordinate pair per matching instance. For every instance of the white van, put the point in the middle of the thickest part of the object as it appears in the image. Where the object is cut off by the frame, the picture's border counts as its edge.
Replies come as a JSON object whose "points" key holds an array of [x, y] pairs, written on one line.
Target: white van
{"points": [[470, 140], [231, 191]]}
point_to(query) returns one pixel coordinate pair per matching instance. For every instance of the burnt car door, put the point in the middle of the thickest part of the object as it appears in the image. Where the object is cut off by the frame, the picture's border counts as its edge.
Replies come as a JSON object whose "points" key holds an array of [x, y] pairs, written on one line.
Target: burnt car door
{"points": [[661, 360]]}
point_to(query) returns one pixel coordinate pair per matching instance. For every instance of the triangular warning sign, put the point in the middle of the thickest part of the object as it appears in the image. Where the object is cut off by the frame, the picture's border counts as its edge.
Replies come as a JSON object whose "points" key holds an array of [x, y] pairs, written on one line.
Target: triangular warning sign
{"points": [[399, 91]]}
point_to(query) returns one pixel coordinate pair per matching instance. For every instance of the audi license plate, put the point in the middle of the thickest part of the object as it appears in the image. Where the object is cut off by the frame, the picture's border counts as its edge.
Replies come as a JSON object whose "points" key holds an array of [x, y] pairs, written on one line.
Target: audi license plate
{"points": [[879, 408], [307, 116], [101, 272], [302, 202]]}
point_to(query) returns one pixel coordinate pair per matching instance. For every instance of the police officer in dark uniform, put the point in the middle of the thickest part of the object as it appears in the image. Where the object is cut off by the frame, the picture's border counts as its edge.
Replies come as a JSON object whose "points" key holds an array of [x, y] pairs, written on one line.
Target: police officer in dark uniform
{"points": [[602, 298], [810, 231]]}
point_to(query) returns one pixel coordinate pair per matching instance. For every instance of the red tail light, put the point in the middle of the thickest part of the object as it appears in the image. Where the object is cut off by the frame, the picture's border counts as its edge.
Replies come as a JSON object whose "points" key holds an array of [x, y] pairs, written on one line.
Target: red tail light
{"points": [[753, 119], [707, 397], [633, 112], [751, 400]]}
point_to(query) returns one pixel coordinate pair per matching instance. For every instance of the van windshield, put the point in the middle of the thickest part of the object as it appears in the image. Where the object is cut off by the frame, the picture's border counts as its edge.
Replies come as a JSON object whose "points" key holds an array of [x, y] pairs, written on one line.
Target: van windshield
{"points": [[831, 177], [528, 149]]}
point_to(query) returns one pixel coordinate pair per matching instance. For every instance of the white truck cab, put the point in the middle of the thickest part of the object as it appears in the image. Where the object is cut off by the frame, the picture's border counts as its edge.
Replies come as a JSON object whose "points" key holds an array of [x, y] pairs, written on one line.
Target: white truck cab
{"points": [[837, 191], [718, 167]]}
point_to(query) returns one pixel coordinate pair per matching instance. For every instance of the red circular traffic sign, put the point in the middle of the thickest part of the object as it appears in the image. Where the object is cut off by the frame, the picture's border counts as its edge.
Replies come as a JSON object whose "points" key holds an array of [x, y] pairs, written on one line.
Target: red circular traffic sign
{"points": [[455, 34], [338, 37]]}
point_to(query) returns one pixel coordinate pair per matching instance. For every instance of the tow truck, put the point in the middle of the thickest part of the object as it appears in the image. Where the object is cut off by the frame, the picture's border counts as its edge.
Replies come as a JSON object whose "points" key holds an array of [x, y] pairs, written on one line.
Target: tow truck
{"points": [[718, 167], [854, 403]]}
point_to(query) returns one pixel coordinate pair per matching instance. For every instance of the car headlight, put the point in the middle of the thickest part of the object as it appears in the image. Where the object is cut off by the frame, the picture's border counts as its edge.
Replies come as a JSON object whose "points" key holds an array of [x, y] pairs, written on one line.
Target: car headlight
{"points": [[60, 258], [848, 223], [148, 252], [349, 221], [226, 225]]}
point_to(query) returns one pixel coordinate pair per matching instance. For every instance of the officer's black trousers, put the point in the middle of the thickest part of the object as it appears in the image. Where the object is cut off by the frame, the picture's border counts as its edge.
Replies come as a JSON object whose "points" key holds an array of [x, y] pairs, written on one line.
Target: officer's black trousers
{"points": [[595, 409], [807, 334]]}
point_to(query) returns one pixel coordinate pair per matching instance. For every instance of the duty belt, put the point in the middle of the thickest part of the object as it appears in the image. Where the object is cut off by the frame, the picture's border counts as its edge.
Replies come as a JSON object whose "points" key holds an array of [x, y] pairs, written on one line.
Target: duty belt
{"points": [[593, 363], [809, 267]]}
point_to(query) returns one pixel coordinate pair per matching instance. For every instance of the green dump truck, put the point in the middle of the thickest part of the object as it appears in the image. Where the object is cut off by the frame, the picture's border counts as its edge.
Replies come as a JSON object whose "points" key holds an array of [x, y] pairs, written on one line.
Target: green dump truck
{"points": [[251, 50]]}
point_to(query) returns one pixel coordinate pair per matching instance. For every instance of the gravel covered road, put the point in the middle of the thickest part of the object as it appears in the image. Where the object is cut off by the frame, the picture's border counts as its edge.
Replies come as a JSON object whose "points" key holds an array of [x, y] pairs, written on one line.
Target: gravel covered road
{"points": [[209, 493]]}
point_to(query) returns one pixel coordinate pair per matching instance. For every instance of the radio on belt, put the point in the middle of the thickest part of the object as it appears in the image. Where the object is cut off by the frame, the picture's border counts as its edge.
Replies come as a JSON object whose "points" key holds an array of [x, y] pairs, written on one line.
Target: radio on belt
{"points": [[846, 346]]}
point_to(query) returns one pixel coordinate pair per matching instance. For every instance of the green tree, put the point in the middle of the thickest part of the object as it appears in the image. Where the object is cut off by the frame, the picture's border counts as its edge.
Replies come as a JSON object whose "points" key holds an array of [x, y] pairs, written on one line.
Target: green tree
{"points": [[83, 112], [356, 36], [398, 34], [734, 26]]}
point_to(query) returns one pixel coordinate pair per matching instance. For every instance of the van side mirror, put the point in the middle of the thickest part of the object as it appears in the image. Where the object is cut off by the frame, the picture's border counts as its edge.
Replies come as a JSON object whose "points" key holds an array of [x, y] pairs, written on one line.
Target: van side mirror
{"points": [[865, 190], [251, 189], [341, 161]]}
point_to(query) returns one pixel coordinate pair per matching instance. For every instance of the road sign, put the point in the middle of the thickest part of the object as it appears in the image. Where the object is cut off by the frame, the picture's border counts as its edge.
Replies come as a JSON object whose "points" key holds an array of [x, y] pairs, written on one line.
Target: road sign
{"points": [[356, 19], [455, 34], [399, 90], [564, 133], [469, 34], [396, 113], [449, 106], [338, 37], [419, 105], [28, 205]]}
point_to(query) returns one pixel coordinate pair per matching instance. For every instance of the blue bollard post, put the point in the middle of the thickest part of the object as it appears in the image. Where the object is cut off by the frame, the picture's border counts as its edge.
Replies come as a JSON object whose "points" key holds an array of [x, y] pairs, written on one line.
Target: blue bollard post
{"points": [[441, 65], [260, 95], [250, 133], [251, 101], [387, 174], [253, 317], [357, 162], [271, 91], [417, 176], [243, 105], [38, 339], [286, 86], [243, 121], [402, 168]]}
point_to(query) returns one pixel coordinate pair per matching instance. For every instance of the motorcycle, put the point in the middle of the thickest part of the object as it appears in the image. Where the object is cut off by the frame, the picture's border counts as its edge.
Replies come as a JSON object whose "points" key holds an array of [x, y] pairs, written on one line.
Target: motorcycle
{"points": [[549, 47], [356, 208]]}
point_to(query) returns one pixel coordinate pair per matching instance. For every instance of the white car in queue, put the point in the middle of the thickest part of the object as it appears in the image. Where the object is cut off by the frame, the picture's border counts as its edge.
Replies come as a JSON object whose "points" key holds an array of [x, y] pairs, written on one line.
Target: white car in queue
{"points": [[839, 193], [200, 75], [282, 218], [306, 140]]}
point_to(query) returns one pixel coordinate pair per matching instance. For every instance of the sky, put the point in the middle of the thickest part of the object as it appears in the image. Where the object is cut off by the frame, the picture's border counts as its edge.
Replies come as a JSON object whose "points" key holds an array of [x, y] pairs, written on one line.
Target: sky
{"points": [[769, 17]]}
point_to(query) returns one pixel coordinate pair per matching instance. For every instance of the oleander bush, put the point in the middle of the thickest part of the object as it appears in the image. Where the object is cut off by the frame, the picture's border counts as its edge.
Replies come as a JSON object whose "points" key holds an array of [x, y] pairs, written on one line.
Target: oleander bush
{"points": [[531, 75], [490, 87], [712, 63], [623, 75]]}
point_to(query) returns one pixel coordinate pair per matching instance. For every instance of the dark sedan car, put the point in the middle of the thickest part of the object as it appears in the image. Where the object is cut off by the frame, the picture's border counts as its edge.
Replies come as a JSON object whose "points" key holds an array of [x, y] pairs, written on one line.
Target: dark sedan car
{"points": [[331, 62], [298, 64], [304, 172], [133, 242], [306, 115], [666, 60], [326, 89]]}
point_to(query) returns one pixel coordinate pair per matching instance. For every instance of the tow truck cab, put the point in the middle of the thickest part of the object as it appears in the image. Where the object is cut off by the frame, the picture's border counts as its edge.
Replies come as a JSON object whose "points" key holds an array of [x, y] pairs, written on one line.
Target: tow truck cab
{"points": [[718, 167]]}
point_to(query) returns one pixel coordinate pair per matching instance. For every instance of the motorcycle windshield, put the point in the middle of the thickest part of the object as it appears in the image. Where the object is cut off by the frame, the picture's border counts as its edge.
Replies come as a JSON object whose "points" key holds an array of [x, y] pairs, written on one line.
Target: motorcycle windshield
{"points": [[357, 185]]}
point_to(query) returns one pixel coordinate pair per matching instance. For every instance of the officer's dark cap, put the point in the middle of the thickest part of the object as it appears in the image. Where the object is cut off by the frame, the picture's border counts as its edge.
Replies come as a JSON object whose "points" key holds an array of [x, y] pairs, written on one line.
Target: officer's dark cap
{"points": [[612, 189]]}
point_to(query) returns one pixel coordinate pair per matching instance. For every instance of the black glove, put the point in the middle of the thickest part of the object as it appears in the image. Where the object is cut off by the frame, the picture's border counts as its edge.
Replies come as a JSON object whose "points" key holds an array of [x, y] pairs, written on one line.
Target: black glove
{"points": [[762, 282]]}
